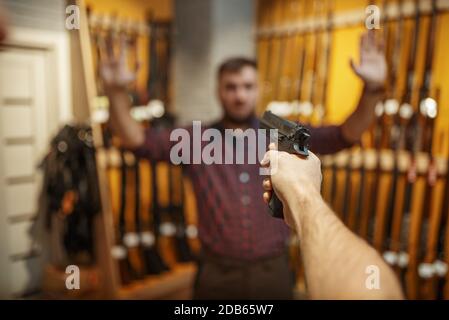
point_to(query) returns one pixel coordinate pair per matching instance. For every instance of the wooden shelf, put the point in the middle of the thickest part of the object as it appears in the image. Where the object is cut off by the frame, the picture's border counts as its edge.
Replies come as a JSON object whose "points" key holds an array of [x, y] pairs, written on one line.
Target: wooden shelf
{"points": [[175, 284]]}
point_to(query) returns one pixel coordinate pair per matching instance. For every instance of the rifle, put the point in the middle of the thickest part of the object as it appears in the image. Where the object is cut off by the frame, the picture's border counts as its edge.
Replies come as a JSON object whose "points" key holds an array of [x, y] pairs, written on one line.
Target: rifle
{"points": [[307, 106], [132, 238], [131, 33], [361, 193], [278, 106], [412, 145], [348, 188], [157, 212], [152, 261], [422, 220], [321, 108], [394, 214], [357, 167], [281, 58], [396, 132], [95, 35], [323, 102], [371, 219], [166, 71], [176, 208], [334, 176], [388, 108], [297, 87], [120, 250], [393, 38], [270, 38], [391, 131], [440, 265], [153, 83], [429, 110]]}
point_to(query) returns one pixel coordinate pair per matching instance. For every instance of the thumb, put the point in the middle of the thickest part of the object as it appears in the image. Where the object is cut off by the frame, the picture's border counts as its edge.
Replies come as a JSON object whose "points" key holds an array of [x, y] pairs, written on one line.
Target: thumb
{"points": [[266, 159], [354, 67]]}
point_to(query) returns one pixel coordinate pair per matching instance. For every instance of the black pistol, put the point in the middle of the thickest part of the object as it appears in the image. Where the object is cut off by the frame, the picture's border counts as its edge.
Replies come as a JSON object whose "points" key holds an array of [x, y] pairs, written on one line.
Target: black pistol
{"points": [[292, 138]]}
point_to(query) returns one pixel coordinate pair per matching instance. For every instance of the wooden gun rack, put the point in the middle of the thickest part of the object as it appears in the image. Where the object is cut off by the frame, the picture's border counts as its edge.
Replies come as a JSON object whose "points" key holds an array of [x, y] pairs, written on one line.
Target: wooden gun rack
{"points": [[174, 284], [353, 163]]}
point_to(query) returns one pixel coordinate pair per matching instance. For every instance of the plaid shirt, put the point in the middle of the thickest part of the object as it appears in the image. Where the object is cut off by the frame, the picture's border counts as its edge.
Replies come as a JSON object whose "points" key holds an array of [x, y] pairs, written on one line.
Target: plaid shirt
{"points": [[233, 220]]}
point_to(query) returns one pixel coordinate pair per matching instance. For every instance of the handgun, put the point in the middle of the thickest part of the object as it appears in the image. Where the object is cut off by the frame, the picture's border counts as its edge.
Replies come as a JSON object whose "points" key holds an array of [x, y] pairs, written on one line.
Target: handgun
{"points": [[292, 138]]}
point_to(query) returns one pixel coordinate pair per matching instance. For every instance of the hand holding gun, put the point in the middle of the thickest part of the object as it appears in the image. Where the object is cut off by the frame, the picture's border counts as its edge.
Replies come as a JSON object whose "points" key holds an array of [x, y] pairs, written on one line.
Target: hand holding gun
{"points": [[339, 270], [292, 138]]}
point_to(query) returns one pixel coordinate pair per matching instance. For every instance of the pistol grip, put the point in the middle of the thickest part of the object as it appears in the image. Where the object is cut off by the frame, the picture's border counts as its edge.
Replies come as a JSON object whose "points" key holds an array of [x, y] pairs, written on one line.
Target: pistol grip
{"points": [[276, 207]]}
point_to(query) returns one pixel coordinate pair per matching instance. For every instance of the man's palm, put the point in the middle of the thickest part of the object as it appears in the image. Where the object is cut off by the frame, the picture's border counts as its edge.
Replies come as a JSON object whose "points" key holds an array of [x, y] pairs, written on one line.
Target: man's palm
{"points": [[114, 71], [116, 74], [373, 67]]}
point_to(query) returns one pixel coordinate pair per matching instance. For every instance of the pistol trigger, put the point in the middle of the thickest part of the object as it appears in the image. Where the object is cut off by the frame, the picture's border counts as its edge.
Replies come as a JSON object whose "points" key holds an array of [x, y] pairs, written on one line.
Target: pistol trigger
{"points": [[296, 148], [301, 151]]}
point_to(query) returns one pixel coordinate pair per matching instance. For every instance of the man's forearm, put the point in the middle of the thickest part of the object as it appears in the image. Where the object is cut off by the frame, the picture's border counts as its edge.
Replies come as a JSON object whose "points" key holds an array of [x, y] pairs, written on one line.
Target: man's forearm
{"points": [[130, 131], [363, 116], [335, 259]]}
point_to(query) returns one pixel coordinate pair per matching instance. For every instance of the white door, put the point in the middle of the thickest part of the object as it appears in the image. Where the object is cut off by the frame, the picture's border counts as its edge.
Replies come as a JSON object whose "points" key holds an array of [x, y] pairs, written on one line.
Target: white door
{"points": [[23, 140]]}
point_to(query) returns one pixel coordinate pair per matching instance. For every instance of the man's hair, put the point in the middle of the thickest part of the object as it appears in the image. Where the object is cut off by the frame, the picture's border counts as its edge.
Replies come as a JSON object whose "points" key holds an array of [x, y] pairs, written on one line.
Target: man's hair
{"points": [[235, 64]]}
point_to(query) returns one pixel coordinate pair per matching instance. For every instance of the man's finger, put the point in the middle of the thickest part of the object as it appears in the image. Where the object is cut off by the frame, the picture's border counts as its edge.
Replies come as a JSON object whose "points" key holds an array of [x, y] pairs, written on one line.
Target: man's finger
{"points": [[267, 158], [381, 45], [266, 196], [110, 47], [102, 50], [123, 50], [267, 184], [354, 67]]}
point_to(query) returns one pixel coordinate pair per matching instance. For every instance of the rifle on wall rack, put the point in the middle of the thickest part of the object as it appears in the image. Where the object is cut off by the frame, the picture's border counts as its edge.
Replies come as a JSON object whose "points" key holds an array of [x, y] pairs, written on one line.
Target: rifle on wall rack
{"points": [[396, 131], [131, 34], [280, 80], [127, 274], [370, 220], [152, 261], [395, 207], [429, 110], [412, 145], [438, 283], [307, 106], [361, 193], [267, 90], [176, 208], [298, 84], [321, 108], [390, 126], [157, 211]]}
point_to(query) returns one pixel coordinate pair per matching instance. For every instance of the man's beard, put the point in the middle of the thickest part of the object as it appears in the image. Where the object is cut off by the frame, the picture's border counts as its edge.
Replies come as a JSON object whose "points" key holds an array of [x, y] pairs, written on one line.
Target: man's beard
{"points": [[239, 121]]}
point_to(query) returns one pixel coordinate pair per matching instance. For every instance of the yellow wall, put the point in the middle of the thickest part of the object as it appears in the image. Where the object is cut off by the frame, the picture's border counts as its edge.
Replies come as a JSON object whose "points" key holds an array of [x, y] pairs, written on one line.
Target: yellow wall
{"points": [[344, 87]]}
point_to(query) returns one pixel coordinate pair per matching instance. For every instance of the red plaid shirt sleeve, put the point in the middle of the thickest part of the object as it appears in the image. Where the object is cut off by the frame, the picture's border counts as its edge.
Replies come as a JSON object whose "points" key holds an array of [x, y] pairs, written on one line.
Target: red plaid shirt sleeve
{"points": [[327, 140]]}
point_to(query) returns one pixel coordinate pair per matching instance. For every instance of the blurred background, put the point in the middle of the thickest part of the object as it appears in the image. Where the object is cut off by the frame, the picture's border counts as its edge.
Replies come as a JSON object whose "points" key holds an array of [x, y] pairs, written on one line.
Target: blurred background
{"points": [[69, 195]]}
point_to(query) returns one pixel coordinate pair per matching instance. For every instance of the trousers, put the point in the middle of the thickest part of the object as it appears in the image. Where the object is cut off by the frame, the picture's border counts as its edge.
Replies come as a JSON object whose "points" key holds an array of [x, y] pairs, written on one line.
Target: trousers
{"points": [[221, 278]]}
